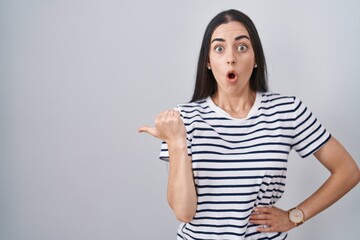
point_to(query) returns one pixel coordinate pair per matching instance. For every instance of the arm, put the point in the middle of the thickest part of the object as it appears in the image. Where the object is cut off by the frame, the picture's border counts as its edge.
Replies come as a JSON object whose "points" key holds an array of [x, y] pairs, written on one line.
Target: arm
{"points": [[181, 193], [345, 174]]}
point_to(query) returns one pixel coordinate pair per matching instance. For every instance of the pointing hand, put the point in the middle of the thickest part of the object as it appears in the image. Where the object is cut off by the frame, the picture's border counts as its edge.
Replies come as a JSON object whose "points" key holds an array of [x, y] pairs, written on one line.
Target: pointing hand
{"points": [[169, 127]]}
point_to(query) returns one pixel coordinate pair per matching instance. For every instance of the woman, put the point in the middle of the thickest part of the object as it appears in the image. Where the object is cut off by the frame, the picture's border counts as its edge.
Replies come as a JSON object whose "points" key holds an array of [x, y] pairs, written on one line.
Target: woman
{"points": [[228, 147]]}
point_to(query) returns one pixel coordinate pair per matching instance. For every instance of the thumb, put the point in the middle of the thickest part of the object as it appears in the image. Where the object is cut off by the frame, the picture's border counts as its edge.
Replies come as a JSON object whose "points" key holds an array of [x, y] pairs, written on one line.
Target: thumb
{"points": [[150, 130]]}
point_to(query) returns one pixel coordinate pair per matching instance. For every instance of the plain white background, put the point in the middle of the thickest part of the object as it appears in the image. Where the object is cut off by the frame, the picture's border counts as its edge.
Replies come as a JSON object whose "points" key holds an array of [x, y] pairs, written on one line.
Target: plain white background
{"points": [[77, 78]]}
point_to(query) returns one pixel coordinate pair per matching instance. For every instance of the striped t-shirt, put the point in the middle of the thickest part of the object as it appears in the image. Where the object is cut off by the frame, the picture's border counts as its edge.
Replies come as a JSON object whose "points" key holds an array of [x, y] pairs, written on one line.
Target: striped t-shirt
{"points": [[239, 164]]}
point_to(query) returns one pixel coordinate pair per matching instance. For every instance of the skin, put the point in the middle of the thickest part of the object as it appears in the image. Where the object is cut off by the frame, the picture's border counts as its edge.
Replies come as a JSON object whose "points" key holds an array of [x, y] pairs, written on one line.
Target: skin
{"points": [[228, 54], [231, 51]]}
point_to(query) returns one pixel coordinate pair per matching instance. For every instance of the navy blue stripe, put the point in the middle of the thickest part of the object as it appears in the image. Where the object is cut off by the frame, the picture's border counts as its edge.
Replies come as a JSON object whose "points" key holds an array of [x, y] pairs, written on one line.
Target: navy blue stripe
{"points": [[241, 147], [182, 230], [207, 118], [224, 210], [216, 233], [298, 106], [225, 202], [253, 117], [200, 104], [190, 235], [226, 194], [239, 185], [264, 238], [268, 197], [246, 140], [228, 186], [302, 113], [318, 146], [239, 134], [221, 218], [267, 94], [241, 160], [271, 190], [237, 153], [180, 236], [240, 126], [217, 226], [239, 169], [272, 183], [197, 110], [238, 177], [272, 114], [253, 233], [278, 98], [275, 105], [273, 237]]}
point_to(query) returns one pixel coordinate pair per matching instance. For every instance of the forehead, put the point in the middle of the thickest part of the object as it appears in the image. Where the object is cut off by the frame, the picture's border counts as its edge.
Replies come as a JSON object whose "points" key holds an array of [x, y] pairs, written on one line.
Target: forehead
{"points": [[229, 30]]}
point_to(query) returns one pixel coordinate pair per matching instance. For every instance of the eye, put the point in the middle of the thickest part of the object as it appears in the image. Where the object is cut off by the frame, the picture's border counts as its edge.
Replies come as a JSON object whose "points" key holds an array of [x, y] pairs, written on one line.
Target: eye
{"points": [[241, 48], [219, 49]]}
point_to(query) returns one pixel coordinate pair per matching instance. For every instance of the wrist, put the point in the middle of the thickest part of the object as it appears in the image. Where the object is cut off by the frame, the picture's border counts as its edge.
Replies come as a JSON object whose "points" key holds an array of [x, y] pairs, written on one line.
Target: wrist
{"points": [[296, 216], [179, 144]]}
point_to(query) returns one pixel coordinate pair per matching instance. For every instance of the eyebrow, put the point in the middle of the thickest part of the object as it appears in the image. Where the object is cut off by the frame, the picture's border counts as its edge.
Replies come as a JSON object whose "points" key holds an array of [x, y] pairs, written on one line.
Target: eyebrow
{"points": [[242, 36], [223, 40]]}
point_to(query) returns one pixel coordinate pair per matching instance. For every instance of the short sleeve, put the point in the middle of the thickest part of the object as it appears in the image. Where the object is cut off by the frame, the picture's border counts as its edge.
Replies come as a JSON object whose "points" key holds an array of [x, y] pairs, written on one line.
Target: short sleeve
{"points": [[309, 134], [164, 152]]}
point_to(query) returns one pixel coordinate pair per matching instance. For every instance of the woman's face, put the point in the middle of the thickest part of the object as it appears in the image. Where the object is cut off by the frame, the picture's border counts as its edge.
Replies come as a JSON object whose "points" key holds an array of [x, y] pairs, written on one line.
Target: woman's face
{"points": [[231, 58]]}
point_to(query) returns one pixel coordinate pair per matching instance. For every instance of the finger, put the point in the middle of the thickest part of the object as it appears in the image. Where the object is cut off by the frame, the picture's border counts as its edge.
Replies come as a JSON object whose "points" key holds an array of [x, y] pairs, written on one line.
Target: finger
{"points": [[260, 222], [263, 209], [177, 114], [170, 114], [162, 116], [149, 130], [265, 228], [260, 217]]}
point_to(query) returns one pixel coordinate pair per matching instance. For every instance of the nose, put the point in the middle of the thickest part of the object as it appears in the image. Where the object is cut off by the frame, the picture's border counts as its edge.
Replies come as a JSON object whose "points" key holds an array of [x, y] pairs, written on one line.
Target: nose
{"points": [[231, 58]]}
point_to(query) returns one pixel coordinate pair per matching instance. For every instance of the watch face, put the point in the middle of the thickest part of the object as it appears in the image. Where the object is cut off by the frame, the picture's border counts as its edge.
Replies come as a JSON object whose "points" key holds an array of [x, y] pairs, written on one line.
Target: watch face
{"points": [[296, 216]]}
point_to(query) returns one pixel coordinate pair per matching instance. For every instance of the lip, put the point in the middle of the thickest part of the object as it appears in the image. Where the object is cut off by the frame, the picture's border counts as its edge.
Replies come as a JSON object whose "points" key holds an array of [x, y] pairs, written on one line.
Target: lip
{"points": [[233, 79]]}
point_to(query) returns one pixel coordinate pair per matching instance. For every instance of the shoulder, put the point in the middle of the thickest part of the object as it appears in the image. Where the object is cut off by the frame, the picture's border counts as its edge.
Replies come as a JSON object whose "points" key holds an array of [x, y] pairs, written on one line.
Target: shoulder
{"points": [[277, 101], [271, 97], [199, 106]]}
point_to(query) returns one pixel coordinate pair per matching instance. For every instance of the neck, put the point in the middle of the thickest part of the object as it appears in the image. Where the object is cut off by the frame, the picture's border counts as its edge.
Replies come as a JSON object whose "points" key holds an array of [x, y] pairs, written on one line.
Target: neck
{"points": [[237, 106]]}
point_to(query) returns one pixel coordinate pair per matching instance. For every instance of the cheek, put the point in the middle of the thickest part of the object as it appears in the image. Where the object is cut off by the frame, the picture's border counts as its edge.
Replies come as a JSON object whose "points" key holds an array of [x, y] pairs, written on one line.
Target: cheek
{"points": [[246, 62], [216, 65], [214, 60]]}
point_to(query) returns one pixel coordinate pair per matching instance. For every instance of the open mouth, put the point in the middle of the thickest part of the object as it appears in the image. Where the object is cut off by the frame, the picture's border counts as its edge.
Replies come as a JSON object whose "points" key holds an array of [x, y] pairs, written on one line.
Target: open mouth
{"points": [[231, 75]]}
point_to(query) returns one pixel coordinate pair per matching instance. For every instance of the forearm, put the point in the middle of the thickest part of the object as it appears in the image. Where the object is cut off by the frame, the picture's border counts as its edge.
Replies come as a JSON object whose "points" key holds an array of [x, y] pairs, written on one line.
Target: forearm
{"points": [[337, 185], [181, 191]]}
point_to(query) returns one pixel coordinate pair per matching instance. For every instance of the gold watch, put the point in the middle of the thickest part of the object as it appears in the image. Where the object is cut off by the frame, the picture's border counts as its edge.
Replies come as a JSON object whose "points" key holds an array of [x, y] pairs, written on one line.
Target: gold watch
{"points": [[296, 216]]}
